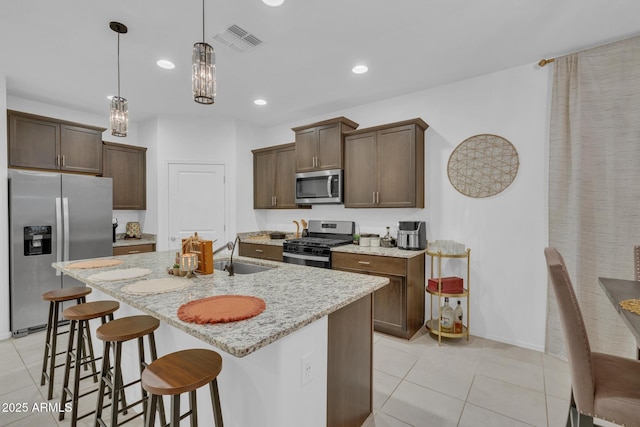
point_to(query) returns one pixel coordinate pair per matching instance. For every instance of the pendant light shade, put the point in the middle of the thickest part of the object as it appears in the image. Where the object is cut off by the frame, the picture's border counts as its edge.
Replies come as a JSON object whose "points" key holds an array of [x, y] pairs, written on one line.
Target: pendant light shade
{"points": [[119, 116], [119, 106], [203, 78]]}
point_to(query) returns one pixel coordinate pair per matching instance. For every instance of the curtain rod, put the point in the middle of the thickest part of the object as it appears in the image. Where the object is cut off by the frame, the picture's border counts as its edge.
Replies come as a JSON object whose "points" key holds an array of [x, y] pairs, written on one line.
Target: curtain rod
{"points": [[544, 62]]}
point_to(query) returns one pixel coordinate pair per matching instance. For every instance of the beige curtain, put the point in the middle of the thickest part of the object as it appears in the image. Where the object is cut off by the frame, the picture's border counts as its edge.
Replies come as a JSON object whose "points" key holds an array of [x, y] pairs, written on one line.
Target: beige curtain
{"points": [[594, 184]]}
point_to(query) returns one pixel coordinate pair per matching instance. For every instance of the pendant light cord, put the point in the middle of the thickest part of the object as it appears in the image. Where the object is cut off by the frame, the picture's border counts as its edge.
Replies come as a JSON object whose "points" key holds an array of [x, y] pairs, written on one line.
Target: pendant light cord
{"points": [[202, 21], [118, 65]]}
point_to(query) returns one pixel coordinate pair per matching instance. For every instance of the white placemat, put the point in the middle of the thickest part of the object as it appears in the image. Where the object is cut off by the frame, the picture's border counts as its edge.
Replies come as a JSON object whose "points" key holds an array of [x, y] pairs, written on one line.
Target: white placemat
{"points": [[95, 263], [115, 275], [156, 286]]}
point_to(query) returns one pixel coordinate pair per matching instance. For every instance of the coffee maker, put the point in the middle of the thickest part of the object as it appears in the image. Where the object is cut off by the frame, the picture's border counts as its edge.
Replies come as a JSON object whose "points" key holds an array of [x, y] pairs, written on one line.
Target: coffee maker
{"points": [[412, 235]]}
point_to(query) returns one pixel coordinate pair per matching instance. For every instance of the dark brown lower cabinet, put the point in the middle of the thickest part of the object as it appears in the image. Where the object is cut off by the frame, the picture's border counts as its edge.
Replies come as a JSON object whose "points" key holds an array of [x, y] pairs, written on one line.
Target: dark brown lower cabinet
{"points": [[398, 308], [350, 364], [134, 249], [257, 250]]}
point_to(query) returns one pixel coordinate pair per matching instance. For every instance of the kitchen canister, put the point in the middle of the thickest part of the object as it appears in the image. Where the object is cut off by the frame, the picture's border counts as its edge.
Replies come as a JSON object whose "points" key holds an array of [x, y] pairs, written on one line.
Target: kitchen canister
{"points": [[374, 241], [133, 230], [365, 240]]}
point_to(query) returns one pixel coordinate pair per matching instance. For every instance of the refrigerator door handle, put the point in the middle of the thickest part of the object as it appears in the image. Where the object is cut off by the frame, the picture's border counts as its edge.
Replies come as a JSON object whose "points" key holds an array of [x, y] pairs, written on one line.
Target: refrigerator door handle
{"points": [[58, 232], [65, 207]]}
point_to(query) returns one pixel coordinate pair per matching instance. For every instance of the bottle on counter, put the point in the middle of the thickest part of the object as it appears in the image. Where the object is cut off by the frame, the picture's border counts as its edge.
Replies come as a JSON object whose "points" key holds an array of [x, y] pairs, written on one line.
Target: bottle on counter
{"points": [[447, 315], [387, 241], [457, 319]]}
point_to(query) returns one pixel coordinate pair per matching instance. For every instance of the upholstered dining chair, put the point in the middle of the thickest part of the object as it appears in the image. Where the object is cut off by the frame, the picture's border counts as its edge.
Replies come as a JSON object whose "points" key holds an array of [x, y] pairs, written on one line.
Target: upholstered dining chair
{"points": [[602, 386]]}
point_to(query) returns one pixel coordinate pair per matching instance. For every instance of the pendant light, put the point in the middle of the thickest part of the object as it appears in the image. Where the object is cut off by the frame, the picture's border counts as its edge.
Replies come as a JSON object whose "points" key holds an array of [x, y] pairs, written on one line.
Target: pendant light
{"points": [[204, 70], [119, 105]]}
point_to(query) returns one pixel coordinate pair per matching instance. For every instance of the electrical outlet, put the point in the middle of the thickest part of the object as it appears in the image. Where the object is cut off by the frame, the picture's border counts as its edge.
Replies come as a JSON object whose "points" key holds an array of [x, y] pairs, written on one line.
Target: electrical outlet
{"points": [[306, 369]]}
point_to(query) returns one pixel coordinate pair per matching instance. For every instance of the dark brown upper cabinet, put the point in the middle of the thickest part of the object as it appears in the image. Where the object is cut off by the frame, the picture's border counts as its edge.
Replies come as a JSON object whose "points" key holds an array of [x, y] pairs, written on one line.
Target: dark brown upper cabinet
{"points": [[274, 176], [37, 142], [320, 146], [126, 165], [384, 166]]}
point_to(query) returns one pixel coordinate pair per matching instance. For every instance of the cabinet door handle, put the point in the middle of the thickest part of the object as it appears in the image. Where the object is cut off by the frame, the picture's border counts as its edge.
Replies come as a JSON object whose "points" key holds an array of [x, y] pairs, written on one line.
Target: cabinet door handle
{"points": [[259, 250], [57, 160], [134, 252], [377, 197], [364, 262], [374, 197], [275, 200], [63, 162]]}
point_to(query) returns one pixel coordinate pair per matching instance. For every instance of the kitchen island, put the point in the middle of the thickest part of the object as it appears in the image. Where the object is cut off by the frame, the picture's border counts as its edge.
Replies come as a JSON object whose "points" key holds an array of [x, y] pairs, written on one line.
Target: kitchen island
{"points": [[305, 360]]}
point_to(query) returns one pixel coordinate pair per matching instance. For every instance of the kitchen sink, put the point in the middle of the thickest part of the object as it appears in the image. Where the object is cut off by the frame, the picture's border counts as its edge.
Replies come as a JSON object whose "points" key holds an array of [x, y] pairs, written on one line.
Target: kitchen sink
{"points": [[240, 267]]}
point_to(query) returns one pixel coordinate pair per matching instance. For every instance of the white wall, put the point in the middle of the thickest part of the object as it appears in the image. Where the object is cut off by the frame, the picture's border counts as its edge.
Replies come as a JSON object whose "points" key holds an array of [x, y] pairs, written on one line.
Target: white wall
{"points": [[192, 140], [506, 233]]}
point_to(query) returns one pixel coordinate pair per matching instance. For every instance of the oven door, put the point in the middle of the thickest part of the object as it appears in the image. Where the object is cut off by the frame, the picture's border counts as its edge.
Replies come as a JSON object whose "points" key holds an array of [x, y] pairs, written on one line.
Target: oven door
{"points": [[308, 260], [319, 187]]}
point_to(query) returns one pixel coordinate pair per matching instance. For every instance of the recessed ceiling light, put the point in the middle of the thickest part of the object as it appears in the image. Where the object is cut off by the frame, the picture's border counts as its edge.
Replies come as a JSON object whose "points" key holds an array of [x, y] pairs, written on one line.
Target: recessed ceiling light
{"points": [[273, 3], [166, 64], [360, 69], [260, 102]]}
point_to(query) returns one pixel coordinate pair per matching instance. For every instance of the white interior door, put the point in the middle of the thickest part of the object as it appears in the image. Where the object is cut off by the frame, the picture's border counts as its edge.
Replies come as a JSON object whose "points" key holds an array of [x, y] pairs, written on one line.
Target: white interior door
{"points": [[196, 202]]}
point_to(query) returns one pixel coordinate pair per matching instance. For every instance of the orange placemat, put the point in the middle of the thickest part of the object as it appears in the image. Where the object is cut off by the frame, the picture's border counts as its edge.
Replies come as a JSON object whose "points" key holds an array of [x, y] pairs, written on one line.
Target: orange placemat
{"points": [[221, 309], [95, 263]]}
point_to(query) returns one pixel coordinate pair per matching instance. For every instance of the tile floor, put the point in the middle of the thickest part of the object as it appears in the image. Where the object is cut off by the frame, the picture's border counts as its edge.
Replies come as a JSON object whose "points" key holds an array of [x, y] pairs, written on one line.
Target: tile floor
{"points": [[416, 383]]}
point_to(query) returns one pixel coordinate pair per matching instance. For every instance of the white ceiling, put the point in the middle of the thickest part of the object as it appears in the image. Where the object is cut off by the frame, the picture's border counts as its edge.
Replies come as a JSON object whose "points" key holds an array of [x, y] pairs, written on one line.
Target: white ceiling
{"points": [[62, 52]]}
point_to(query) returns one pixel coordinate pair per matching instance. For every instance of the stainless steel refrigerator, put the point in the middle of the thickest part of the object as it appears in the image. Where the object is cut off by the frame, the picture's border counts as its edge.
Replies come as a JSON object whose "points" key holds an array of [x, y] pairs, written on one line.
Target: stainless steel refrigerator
{"points": [[53, 217]]}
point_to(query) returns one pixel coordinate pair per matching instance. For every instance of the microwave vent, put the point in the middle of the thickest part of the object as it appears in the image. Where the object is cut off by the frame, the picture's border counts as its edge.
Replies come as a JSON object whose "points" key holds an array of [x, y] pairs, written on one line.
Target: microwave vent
{"points": [[238, 39]]}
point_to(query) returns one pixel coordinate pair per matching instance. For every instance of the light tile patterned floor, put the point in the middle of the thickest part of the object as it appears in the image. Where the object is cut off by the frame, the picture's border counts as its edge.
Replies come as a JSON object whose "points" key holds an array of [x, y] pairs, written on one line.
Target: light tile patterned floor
{"points": [[416, 383]]}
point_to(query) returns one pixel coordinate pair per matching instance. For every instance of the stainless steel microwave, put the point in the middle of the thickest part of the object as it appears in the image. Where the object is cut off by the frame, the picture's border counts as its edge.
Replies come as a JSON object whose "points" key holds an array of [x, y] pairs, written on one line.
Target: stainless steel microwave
{"points": [[319, 187]]}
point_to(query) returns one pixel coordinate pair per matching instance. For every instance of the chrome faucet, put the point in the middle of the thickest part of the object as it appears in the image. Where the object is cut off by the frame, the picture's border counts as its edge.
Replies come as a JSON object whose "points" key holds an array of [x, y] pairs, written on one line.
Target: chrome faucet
{"points": [[231, 247]]}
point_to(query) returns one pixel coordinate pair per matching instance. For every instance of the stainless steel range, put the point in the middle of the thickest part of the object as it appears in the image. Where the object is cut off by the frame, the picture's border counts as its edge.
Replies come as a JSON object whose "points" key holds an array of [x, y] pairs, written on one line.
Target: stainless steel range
{"points": [[315, 250]]}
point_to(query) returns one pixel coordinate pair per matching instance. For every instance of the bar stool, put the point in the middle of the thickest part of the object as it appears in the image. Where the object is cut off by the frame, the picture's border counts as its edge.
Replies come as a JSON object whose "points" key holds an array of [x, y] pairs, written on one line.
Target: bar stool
{"points": [[113, 334], [181, 372], [79, 315], [56, 298]]}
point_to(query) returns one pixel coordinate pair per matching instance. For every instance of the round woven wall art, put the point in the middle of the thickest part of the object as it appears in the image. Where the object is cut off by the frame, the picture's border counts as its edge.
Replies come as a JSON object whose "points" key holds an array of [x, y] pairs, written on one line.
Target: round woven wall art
{"points": [[483, 165]]}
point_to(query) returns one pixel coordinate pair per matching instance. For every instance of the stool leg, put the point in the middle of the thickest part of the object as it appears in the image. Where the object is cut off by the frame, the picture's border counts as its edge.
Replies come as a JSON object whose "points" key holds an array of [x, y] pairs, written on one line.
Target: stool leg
{"points": [[154, 356], [151, 411], [51, 347], [215, 402], [175, 410], [67, 368], [82, 325], [47, 345], [193, 407], [88, 343], [141, 365], [117, 383], [104, 377]]}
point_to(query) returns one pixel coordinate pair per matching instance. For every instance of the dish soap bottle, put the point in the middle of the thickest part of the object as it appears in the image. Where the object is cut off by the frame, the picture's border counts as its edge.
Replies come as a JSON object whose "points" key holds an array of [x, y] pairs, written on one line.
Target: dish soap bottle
{"points": [[387, 240], [447, 315], [457, 319]]}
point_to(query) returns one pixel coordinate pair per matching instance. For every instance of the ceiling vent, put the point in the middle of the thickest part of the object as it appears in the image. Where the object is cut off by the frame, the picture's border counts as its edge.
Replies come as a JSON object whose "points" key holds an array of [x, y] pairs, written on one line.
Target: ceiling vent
{"points": [[238, 39]]}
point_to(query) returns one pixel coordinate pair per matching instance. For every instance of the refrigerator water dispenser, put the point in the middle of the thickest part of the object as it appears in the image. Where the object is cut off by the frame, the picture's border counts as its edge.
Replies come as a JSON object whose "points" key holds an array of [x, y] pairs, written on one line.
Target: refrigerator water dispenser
{"points": [[37, 240]]}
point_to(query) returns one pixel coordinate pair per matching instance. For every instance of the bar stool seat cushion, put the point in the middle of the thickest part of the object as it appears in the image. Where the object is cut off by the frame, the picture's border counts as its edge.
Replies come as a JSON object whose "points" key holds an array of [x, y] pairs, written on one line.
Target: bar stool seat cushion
{"points": [[127, 328], [182, 371], [90, 310], [66, 294]]}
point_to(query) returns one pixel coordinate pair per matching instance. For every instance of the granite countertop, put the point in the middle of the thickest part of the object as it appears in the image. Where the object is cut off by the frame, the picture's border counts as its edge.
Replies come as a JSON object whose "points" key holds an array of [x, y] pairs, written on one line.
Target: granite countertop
{"points": [[146, 239], [295, 296], [262, 237], [380, 251]]}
